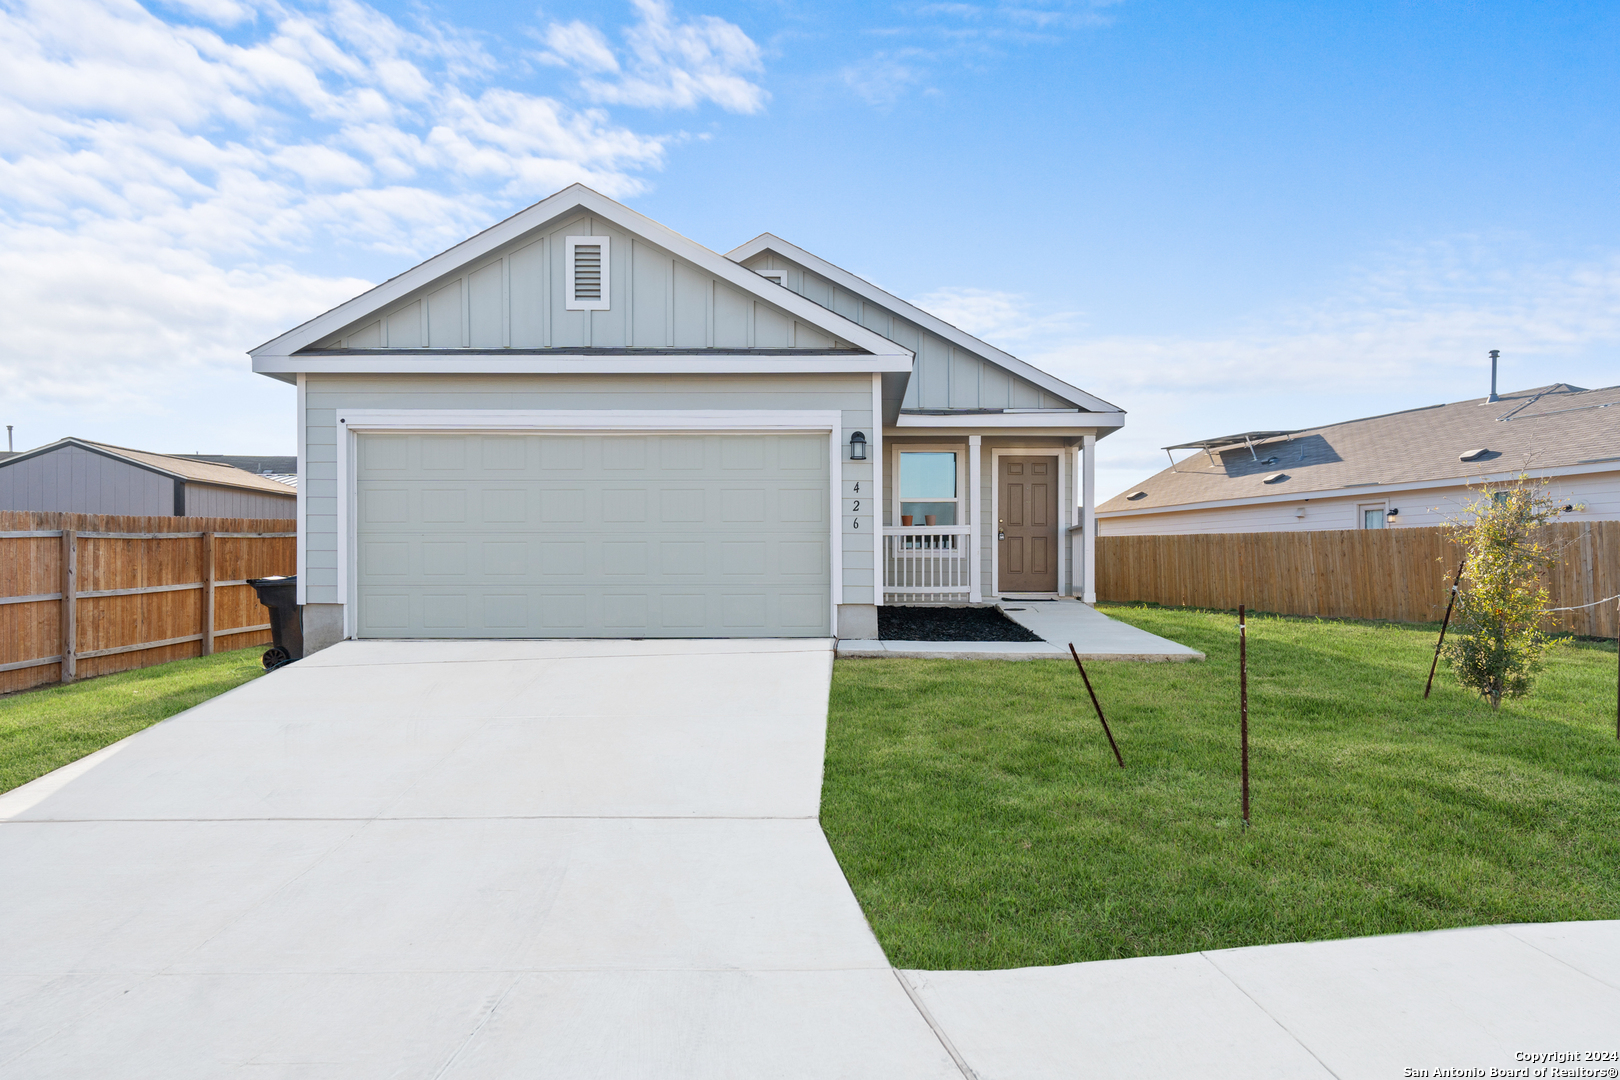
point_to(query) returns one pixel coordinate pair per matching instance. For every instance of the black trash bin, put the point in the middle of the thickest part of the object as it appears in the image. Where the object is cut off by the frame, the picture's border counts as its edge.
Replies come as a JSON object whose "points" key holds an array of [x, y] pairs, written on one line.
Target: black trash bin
{"points": [[280, 595]]}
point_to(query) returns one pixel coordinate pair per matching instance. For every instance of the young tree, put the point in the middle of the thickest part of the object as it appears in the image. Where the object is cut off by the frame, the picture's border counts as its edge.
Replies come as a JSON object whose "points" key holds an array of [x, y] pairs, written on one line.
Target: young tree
{"points": [[1500, 633]]}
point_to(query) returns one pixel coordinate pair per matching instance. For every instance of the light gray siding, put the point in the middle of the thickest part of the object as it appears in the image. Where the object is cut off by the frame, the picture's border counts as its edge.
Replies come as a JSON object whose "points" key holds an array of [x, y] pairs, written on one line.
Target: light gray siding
{"points": [[849, 394], [78, 481], [209, 500], [517, 298], [946, 376]]}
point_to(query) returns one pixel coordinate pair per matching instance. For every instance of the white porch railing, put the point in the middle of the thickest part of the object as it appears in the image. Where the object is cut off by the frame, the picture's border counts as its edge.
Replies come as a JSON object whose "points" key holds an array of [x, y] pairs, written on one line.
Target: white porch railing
{"points": [[927, 564]]}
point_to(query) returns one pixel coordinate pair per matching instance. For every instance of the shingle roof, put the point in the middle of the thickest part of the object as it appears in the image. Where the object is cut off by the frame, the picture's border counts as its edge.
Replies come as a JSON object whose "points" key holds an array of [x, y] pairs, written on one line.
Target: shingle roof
{"points": [[200, 472], [1548, 427]]}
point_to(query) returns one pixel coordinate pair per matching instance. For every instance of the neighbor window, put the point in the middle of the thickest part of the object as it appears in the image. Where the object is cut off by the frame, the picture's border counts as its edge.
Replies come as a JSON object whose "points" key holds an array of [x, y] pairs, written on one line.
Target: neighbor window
{"points": [[928, 486], [1372, 517]]}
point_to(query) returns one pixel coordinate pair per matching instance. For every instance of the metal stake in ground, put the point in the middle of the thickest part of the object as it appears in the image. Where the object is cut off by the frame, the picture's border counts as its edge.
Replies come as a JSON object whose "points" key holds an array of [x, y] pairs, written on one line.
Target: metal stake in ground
{"points": [[1243, 704], [1095, 705], [1443, 625]]}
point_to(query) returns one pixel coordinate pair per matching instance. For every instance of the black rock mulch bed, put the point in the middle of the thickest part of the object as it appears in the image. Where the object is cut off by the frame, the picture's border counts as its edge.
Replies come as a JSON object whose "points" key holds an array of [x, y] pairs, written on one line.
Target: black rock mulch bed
{"points": [[949, 624]]}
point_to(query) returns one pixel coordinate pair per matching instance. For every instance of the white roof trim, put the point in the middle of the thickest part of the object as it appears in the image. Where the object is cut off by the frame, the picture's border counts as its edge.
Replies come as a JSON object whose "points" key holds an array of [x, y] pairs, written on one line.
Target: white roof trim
{"points": [[1362, 491], [863, 288], [576, 197], [468, 362], [1021, 421]]}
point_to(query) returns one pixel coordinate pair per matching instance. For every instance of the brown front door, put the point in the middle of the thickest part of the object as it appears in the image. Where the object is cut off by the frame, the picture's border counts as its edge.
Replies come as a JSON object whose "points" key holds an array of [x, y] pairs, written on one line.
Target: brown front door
{"points": [[1027, 534]]}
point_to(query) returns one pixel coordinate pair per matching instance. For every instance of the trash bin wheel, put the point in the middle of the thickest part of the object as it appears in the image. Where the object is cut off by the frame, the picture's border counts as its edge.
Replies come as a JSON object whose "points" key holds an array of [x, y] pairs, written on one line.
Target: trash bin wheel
{"points": [[275, 656]]}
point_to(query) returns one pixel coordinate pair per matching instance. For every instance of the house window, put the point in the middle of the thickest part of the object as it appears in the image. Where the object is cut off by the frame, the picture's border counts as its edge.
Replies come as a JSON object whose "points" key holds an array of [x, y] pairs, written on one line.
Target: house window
{"points": [[1372, 517], [928, 486], [586, 271]]}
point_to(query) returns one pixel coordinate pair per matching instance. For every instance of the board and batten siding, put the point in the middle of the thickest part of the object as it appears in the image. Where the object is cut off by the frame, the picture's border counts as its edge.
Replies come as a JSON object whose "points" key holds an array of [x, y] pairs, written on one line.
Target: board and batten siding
{"points": [[212, 500], [850, 394], [1599, 493], [945, 375], [516, 297], [74, 480]]}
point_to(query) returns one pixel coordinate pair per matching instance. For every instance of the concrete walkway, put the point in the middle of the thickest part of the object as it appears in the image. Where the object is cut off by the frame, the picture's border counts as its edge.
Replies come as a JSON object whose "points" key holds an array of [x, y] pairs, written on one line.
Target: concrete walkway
{"points": [[1360, 1009], [444, 860], [1057, 622]]}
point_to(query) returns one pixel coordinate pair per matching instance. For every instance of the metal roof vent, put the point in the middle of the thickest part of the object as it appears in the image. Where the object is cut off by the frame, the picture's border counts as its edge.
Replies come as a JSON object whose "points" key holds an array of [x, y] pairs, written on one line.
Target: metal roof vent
{"points": [[1275, 477], [1473, 455], [1135, 496]]}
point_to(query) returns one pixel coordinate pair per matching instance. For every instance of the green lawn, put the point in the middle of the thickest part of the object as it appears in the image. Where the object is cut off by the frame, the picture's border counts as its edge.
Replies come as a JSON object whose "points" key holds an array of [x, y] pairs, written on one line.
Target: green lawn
{"points": [[44, 729], [980, 817]]}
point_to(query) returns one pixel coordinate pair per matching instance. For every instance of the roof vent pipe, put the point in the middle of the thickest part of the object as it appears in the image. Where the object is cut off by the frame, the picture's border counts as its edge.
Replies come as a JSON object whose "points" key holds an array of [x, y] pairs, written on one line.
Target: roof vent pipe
{"points": [[1494, 354]]}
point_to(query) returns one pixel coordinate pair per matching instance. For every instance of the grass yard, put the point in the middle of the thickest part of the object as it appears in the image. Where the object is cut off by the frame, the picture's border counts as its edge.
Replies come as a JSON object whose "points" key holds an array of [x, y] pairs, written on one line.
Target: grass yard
{"points": [[980, 817], [44, 729]]}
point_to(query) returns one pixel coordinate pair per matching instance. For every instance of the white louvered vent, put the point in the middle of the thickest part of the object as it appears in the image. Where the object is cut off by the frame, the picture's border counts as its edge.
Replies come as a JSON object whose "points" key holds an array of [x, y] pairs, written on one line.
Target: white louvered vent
{"points": [[587, 273]]}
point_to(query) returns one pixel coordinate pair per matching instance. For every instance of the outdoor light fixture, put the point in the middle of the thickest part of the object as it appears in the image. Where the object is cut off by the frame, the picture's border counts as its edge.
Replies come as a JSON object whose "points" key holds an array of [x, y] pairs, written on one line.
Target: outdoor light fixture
{"points": [[857, 447], [1393, 512]]}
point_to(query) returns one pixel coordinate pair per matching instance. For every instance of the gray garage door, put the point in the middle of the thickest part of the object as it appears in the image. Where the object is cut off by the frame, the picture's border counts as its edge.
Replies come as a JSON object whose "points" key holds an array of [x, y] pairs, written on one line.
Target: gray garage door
{"points": [[701, 535]]}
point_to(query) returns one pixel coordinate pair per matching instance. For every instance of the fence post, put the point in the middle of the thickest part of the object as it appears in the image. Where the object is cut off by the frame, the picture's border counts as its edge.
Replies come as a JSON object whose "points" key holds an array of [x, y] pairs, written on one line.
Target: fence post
{"points": [[208, 594], [70, 605]]}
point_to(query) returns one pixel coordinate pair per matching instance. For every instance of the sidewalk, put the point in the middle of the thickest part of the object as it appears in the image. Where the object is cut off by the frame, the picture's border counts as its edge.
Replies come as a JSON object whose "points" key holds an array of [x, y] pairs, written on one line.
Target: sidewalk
{"points": [[1358, 1009]]}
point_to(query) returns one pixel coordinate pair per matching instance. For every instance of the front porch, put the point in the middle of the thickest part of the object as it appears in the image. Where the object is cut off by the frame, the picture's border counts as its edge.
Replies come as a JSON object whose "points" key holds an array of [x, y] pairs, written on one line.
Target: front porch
{"points": [[972, 516]]}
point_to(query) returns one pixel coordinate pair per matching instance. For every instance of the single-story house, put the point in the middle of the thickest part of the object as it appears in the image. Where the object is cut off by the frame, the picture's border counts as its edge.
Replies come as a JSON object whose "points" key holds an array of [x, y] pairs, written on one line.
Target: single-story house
{"points": [[579, 423], [283, 467], [77, 476], [1421, 467]]}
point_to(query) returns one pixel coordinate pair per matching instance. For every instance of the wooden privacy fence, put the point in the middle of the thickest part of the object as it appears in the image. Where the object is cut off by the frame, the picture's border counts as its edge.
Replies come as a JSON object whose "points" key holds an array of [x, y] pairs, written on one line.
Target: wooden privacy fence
{"points": [[1397, 574], [84, 594]]}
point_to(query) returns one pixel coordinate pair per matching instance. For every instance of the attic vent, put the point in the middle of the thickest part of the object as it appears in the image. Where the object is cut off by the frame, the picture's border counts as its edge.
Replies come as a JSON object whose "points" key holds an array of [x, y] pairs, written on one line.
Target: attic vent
{"points": [[1135, 495], [1472, 455], [1274, 477], [778, 276], [587, 273]]}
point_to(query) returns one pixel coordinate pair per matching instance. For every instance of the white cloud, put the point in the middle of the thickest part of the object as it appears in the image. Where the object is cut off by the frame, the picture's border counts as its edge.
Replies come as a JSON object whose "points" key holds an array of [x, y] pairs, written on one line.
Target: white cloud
{"points": [[667, 63], [1001, 318], [173, 183], [1413, 330]]}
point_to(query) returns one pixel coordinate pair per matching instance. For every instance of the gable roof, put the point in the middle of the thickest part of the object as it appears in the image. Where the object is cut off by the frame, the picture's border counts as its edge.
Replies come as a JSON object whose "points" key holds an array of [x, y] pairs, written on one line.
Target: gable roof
{"points": [[1550, 427], [956, 336], [190, 470], [573, 199]]}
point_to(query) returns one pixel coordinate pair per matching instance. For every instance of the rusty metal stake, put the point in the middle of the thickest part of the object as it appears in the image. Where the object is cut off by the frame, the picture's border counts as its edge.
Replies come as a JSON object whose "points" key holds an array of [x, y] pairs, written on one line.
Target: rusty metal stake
{"points": [[1436, 663], [1096, 705], [1243, 704]]}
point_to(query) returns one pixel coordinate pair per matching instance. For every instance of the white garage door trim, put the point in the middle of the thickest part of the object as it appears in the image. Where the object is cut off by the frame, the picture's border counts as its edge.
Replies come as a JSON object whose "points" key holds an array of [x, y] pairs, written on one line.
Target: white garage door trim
{"points": [[352, 422]]}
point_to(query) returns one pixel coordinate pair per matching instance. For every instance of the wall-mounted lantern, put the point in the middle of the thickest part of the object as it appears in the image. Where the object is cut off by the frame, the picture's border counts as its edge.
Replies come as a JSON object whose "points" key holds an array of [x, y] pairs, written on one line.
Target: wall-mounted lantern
{"points": [[1394, 512], [857, 447]]}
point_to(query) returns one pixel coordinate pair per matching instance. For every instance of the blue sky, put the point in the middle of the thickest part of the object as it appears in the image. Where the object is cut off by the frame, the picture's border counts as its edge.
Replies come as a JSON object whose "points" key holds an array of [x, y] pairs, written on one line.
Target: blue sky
{"points": [[1217, 216]]}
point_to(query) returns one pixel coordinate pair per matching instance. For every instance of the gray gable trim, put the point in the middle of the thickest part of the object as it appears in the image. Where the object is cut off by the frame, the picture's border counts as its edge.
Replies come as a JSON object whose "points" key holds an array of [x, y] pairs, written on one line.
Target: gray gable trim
{"points": [[573, 199], [40, 451], [863, 288]]}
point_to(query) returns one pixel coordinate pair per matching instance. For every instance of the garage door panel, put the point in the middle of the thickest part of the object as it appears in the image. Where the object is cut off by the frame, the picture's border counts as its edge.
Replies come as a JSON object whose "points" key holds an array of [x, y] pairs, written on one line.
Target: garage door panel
{"points": [[545, 535]]}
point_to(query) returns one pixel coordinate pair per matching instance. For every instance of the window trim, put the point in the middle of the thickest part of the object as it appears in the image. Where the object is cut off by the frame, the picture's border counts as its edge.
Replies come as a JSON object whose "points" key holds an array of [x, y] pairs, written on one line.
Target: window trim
{"points": [[1363, 509], [962, 503], [573, 302]]}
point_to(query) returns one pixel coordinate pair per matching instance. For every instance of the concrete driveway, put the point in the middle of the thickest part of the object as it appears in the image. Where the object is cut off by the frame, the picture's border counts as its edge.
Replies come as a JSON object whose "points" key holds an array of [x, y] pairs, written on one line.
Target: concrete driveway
{"points": [[592, 859]]}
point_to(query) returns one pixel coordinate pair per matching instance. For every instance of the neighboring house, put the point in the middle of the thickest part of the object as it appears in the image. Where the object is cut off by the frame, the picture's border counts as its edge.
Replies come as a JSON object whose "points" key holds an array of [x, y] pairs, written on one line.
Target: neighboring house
{"points": [[1414, 468], [81, 477], [282, 467], [579, 423]]}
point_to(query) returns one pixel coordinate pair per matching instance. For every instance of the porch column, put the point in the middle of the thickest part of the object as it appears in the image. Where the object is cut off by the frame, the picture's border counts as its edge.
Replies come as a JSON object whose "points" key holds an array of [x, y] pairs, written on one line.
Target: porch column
{"points": [[975, 551], [1088, 517]]}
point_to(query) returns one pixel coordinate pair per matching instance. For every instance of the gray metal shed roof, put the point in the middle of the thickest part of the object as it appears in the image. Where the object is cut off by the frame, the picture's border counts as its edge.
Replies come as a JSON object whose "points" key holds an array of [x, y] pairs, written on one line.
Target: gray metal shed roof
{"points": [[1548, 427]]}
